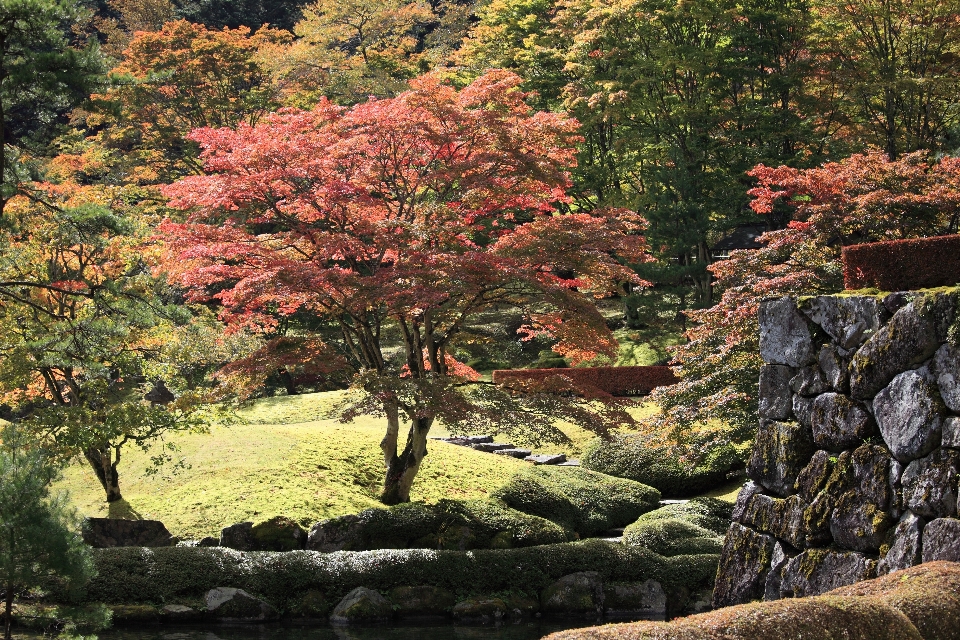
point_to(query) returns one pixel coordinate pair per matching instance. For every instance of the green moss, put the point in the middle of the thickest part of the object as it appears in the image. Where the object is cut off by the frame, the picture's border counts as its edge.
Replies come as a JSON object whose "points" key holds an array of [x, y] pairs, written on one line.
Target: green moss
{"points": [[279, 534]]}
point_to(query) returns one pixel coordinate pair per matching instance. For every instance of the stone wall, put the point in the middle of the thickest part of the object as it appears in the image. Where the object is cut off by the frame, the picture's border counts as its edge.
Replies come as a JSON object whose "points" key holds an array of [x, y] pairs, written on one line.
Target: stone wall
{"points": [[855, 465]]}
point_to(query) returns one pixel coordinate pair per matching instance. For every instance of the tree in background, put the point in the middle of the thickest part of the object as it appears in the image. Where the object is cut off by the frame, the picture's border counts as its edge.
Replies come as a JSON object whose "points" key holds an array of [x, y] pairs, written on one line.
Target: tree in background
{"points": [[401, 220], [864, 198], [38, 537], [41, 78]]}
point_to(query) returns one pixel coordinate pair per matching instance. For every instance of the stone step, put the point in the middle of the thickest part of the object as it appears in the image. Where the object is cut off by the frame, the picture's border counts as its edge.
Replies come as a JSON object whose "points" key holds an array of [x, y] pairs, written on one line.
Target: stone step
{"points": [[490, 447], [514, 453], [570, 463], [548, 458]]}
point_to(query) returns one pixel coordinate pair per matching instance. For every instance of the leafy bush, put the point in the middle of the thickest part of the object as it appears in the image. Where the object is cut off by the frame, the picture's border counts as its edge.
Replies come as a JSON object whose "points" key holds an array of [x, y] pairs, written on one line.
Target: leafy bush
{"points": [[634, 458], [578, 499], [185, 574], [697, 526], [903, 265], [449, 524]]}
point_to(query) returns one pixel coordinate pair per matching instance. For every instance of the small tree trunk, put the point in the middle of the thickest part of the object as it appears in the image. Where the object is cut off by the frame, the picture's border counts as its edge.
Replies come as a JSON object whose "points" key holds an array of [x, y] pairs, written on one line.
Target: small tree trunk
{"points": [[8, 612], [105, 467], [403, 468]]}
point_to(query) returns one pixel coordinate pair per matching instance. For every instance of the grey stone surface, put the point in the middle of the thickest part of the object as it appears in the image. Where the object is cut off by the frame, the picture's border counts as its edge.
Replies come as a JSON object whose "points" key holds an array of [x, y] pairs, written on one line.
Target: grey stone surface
{"points": [[813, 477], [951, 432], [809, 381], [647, 599], [941, 540], [575, 593], [238, 536], [780, 451], [748, 490], [514, 453], [489, 447], [774, 581], [775, 397], [102, 533], [893, 481], [421, 600], [849, 320], [835, 365], [930, 484], [784, 334], [946, 367], [209, 541], [179, 613], [816, 520], [781, 518], [802, 410], [236, 605], [744, 565], [555, 458], [839, 423], [908, 339], [897, 300], [480, 609], [817, 571], [362, 605], [904, 551], [870, 470], [858, 524], [335, 534], [910, 415]]}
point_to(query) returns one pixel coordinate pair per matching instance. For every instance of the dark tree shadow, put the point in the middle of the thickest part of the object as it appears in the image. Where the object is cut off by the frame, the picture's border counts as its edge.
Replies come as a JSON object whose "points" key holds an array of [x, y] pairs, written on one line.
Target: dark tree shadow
{"points": [[121, 510]]}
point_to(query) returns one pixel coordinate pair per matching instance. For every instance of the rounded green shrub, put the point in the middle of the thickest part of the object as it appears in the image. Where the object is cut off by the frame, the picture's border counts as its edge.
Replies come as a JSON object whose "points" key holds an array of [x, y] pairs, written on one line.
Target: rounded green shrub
{"points": [[634, 458], [584, 501], [694, 527]]}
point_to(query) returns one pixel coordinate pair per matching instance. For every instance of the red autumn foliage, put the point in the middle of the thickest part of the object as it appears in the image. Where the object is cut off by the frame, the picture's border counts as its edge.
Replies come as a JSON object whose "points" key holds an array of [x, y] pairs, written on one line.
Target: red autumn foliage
{"points": [[901, 265], [615, 381]]}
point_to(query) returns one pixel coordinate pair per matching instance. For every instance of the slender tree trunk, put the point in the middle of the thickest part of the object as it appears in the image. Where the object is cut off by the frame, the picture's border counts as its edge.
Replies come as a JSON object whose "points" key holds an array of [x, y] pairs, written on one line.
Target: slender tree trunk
{"points": [[105, 467], [403, 468], [8, 612]]}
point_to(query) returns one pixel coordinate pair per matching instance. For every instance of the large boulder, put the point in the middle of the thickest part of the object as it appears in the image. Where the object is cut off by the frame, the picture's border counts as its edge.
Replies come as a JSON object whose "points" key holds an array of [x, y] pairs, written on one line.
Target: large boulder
{"points": [[362, 605], [782, 519], [775, 397], [421, 601], [236, 605], [810, 381], [839, 423], [869, 471], [278, 534], [858, 524], [849, 320], [577, 593], [930, 484], [910, 414], [813, 477], [946, 366], [102, 533], [744, 564], [480, 609], [238, 536], [780, 452], [904, 551], [646, 599], [941, 540], [911, 336], [817, 571], [784, 335]]}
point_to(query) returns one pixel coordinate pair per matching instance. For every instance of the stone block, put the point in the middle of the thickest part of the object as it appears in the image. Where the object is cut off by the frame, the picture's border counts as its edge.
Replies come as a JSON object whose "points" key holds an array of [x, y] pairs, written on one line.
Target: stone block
{"points": [[946, 367], [775, 397], [813, 477], [904, 551], [930, 484], [238, 536], [849, 320], [802, 410], [780, 451], [784, 335], [910, 415], [780, 518], [809, 382], [744, 565], [858, 524], [748, 490], [951, 432], [817, 571], [839, 423], [941, 540], [835, 365]]}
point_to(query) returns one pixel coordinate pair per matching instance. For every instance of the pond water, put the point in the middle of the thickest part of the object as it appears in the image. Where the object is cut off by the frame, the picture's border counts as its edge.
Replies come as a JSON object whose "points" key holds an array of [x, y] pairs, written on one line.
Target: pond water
{"points": [[521, 630]]}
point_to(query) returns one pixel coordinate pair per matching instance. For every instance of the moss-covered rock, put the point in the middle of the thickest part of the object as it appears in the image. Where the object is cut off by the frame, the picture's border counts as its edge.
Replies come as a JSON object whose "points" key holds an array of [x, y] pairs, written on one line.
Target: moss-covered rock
{"points": [[421, 601], [578, 499], [577, 593], [279, 534], [480, 608], [634, 458], [362, 605], [311, 604]]}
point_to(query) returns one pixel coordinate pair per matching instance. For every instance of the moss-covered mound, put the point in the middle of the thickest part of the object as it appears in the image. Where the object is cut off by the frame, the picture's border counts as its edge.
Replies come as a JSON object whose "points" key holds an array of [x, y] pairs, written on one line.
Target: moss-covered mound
{"points": [[697, 526], [920, 602], [634, 458], [184, 574], [449, 524], [584, 501]]}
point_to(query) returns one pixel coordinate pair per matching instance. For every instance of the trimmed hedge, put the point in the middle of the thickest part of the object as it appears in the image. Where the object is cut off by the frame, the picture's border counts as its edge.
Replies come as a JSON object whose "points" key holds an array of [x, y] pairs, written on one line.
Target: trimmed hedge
{"points": [[449, 524], [185, 574], [579, 499], [903, 265], [617, 381], [694, 527], [632, 457]]}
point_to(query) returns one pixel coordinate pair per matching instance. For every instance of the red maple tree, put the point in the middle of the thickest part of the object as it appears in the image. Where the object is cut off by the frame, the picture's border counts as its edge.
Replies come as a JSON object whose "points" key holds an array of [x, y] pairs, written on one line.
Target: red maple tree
{"points": [[395, 222]]}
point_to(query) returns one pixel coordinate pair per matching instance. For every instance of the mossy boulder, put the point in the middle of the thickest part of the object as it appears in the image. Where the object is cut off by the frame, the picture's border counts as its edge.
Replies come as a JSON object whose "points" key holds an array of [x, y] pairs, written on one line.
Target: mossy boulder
{"points": [[311, 604], [578, 499], [480, 608], [362, 605], [697, 526], [635, 458], [279, 534], [421, 600], [577, 593]]}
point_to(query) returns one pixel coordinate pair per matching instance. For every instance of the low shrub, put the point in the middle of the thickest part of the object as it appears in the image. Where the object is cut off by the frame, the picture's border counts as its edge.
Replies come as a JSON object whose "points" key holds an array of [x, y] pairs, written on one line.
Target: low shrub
{"points": [[697, 526], [584, 501], [449, 524], [903, 265], [634, 458], [617, 381], [185, 574]]}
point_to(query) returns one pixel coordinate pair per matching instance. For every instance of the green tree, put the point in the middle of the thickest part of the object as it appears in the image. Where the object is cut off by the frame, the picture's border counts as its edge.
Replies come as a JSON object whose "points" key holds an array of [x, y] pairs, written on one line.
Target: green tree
{"points": [[37, 531], [41, 77]]}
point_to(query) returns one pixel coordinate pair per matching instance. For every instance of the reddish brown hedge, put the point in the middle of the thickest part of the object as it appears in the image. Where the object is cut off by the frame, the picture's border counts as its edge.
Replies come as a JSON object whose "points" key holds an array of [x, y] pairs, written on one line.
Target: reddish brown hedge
{"points": [[901, 265], [617, 381]]}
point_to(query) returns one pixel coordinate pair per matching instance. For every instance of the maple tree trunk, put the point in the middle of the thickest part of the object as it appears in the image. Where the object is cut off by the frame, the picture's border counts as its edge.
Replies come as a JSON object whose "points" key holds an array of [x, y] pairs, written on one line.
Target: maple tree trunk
{"points": [[105, 467], [403, 468], [8, 611]]}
